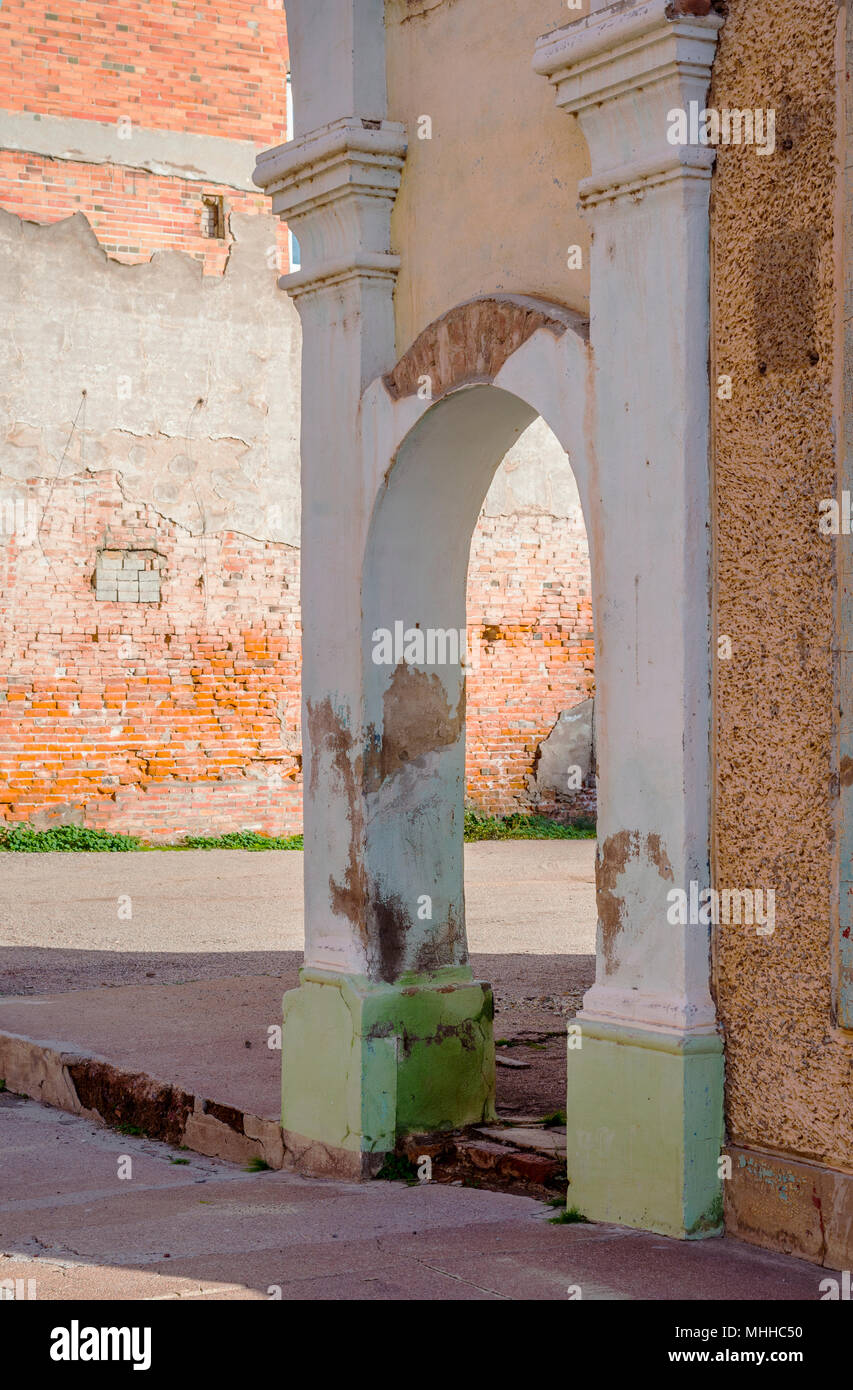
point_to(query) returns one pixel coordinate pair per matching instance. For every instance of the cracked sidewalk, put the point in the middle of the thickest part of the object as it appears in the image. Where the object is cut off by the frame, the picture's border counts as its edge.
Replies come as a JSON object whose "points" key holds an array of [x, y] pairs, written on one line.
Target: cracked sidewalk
{"points": [[179, 1226]]}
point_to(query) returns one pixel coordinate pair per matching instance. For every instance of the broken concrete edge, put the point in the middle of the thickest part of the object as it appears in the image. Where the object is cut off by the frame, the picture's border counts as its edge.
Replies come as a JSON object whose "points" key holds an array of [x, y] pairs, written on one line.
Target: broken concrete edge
{"points": [[789, 1206], [99, 1091], [466, 1155]]}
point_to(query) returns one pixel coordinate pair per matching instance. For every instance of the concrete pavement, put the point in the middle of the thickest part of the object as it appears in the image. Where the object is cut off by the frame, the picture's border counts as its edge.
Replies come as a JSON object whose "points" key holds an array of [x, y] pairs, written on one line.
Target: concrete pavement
{"points": [[185, 986], [178, 1226]]}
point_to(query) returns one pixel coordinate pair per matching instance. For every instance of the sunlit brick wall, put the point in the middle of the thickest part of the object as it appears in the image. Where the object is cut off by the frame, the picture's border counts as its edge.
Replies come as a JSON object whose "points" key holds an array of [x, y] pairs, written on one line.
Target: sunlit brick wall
{"points": [[159, 718], [192, 65], [133, 213], [180, 714], [529, 601]]}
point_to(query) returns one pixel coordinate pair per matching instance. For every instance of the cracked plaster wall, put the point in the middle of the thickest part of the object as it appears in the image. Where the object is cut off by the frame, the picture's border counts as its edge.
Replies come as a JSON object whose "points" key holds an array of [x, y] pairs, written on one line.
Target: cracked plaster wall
{"points": [[191, 382], [186, 444], [159, 718]]}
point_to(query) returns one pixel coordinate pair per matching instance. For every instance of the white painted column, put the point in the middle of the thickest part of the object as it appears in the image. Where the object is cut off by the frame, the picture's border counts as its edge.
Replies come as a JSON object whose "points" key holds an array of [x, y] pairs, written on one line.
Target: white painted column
{"points": [[368, 1053], [648, 1023], [335, 185]]}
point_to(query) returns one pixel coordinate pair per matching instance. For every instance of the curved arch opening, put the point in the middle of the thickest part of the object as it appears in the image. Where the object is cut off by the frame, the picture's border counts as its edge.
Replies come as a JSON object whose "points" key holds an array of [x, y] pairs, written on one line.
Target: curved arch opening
{"points": [[420, 652], [531, 686]]}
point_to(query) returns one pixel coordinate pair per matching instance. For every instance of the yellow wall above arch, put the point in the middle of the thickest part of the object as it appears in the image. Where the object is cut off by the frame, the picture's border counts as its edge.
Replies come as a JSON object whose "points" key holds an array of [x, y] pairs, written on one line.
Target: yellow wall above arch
{"points": [[489, 203]]}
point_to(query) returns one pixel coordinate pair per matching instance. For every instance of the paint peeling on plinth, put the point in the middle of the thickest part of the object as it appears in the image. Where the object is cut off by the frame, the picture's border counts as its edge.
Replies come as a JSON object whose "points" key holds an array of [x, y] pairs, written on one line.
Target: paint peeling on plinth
{"points": [[366, 1062], [800, 1208]]}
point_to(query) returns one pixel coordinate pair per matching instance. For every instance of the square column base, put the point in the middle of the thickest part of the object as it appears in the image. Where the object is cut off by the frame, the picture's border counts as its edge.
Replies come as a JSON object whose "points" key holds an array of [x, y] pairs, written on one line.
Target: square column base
{"points": [[645, 1128], [365, 1063]]}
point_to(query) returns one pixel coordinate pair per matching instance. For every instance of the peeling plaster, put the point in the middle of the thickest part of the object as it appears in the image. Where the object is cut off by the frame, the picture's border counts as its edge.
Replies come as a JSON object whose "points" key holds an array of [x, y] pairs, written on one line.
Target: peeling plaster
{"points": [[417, 719], [612, 860], [191, 382]]}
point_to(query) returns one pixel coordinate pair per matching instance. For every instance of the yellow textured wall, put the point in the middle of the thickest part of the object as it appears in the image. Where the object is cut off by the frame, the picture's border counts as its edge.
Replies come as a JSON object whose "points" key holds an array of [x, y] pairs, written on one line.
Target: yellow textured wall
{"points": [[789, 1073], [490, 202]]}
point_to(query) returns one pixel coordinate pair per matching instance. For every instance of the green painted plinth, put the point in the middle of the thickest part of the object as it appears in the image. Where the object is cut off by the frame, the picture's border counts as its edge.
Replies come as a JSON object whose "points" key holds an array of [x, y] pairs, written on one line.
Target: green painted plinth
{"points": [[645, 1129], [364, 1063]]}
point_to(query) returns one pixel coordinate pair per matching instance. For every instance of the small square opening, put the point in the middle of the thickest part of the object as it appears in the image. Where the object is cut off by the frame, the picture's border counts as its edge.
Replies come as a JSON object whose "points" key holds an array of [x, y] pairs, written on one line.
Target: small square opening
{"points": [[213, 216]]}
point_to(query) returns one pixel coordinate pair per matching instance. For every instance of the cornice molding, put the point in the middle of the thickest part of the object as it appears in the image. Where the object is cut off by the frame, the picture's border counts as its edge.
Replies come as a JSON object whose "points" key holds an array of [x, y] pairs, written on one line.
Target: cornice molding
{"points": [[620, 71], [336, 188]]}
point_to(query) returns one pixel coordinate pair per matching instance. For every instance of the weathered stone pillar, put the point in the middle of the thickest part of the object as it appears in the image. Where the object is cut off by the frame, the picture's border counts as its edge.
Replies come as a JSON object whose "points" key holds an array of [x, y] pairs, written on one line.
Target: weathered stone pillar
{"points": [[371, 1047], [645, 1086]]}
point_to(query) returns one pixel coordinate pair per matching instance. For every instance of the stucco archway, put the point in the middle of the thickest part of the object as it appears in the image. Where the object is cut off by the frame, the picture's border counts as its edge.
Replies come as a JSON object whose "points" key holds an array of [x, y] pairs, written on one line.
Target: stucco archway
{"points": [[436, 474], [378, 1041]]}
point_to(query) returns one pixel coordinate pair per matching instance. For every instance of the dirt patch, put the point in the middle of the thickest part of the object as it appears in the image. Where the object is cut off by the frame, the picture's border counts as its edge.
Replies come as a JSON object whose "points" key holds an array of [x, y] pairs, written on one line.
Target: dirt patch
{"points": [[134, 1102]]}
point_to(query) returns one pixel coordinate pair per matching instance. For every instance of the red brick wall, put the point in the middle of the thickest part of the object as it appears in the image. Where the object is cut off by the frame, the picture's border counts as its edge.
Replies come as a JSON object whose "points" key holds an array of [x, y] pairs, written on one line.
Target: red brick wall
{"points": [[133, 213], [161, 719], [210, 68], [183, 716], [529, 598]]}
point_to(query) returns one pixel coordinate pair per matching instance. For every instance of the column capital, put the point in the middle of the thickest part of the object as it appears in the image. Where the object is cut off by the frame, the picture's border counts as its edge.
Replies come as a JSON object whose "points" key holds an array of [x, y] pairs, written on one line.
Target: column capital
{"points": [[336, 187], [621, 71]]}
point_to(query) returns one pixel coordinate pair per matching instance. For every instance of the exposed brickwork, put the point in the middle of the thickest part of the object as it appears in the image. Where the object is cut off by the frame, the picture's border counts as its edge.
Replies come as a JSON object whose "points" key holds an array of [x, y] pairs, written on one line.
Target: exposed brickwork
{"points": [[471, 343], [529, 599], [166, 64], [162, 719], [132, 213], [183, 716]]}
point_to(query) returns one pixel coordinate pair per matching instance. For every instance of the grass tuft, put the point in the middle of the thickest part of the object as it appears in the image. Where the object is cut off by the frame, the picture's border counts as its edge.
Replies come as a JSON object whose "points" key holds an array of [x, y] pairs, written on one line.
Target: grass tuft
{"points": [[555, 1119], [240, 839], [22, 839], [521, 827], [398, 1168], [569, 1217]]}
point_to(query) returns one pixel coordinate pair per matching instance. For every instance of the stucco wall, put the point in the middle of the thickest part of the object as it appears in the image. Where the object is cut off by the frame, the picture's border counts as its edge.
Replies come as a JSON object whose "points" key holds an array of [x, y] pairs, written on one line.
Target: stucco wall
{"points": [[471, 218], [156, 717], [789, 1073], [182, 715]]}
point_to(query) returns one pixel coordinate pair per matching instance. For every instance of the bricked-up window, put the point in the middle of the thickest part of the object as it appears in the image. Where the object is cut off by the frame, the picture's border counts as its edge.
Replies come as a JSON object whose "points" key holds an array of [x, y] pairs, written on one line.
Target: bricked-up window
{"points": [[213, 217], [128, 576]]}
